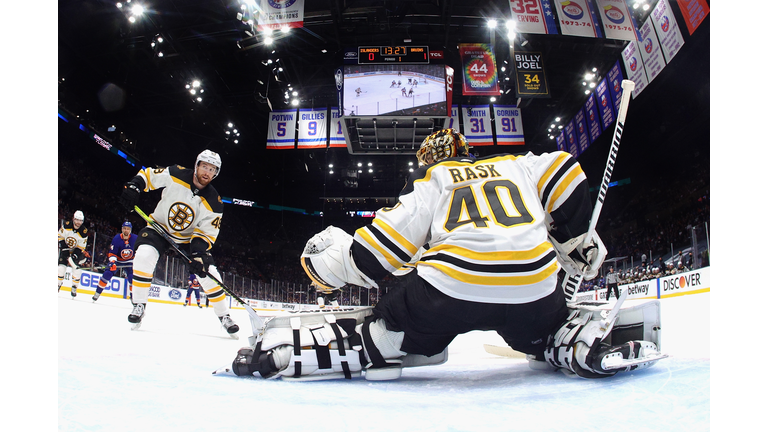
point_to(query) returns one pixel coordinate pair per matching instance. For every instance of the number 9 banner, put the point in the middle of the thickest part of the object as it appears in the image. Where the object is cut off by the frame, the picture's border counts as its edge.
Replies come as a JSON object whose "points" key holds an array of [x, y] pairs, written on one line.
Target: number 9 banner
{"points": [[312, 128], [479, 70]]}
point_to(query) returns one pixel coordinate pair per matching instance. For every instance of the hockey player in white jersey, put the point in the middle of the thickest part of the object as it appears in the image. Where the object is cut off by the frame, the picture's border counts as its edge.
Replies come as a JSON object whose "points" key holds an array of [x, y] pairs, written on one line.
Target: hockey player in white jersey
{"points": [[496, 234], [73, 238], [190, 211]]}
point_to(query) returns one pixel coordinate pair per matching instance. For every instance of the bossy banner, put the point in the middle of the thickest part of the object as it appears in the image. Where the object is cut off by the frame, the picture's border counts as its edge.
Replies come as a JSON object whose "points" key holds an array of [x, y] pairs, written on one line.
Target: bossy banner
{"points": [[531, 80]]}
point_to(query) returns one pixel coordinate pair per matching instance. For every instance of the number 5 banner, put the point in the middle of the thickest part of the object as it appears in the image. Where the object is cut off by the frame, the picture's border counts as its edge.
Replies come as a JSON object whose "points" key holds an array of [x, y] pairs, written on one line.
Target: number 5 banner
{"points": [[477, 125], [312, 130], [479, 70], [509, 125], [282, 129]]}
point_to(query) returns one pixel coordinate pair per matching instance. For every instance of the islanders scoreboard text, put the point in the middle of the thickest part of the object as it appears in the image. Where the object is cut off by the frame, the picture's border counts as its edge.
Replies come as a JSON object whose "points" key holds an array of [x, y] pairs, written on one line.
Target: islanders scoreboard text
{"points": [[392, 54]]}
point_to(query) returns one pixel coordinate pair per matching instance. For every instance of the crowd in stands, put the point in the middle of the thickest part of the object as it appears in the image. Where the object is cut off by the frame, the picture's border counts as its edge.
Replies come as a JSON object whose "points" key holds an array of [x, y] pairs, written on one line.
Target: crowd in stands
{"points": [[262, 246]]}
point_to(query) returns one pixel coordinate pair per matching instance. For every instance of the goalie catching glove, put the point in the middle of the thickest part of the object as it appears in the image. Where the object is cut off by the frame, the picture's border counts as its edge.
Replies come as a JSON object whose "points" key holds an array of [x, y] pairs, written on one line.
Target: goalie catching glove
{"points": [[578, 259], [327, 259]]}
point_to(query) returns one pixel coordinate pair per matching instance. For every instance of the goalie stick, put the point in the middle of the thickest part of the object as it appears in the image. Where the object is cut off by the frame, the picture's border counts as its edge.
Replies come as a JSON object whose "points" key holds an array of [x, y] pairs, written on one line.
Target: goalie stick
{"points": [[257, 323], [572, 283]]}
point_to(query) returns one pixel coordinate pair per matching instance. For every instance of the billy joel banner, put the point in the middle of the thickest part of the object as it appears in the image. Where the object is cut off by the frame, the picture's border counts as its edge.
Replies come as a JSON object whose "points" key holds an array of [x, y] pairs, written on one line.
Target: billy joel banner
{"points": [[336, 135], [312, 128], [479, 70], [618, 21], [282, 129], [578, 18], [694, 12], [533, 16], [531, 81], [509, 125], [477, 125], [278, 14], [667, 29]]}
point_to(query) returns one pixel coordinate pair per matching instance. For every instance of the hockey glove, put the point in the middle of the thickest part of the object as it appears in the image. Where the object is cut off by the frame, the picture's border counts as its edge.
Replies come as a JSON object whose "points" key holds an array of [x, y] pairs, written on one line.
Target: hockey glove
{"points": [[201, 260], [112, 266], [328, 262], [578, 259], [130, 196]]}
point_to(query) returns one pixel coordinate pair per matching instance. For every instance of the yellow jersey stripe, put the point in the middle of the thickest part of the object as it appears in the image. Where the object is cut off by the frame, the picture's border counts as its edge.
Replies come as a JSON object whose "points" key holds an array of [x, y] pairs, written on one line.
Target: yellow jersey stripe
{"points": [[366, 236], [476, 279], [498, 256], [402, 241], [550, 171], [563, 186]]}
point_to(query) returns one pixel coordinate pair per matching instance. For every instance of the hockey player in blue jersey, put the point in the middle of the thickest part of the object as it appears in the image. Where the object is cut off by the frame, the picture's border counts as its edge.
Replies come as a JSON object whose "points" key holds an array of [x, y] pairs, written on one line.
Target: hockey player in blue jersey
{"points": [[194, 287], [120, 256]]}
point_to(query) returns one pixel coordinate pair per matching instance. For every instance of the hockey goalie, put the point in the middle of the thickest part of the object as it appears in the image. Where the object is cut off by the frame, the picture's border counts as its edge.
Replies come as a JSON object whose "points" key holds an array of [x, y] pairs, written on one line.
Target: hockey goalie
{"points": [[490, 239]]}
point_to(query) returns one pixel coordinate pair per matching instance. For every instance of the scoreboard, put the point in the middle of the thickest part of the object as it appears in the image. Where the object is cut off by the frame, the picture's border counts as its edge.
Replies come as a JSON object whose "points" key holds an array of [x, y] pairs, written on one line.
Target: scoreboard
{"points": [[393, 54]]}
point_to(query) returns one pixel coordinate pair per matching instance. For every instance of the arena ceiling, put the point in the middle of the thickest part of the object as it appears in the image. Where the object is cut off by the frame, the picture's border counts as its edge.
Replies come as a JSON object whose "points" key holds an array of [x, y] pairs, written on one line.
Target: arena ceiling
{"points": [[111, 74]]}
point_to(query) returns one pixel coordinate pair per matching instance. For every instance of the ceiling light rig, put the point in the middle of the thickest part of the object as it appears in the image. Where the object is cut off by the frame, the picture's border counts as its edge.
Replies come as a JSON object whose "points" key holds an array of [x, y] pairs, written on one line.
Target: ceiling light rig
{"points": [[157, 45], [231, 133], [133, 11], [196, 90]]}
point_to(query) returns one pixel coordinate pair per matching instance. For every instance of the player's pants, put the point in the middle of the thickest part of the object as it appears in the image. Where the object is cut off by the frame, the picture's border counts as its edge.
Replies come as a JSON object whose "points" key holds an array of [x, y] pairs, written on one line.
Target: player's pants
{"points": [[431, 319], [108, 274], [62, 270], [189, 294], [149, 246]]}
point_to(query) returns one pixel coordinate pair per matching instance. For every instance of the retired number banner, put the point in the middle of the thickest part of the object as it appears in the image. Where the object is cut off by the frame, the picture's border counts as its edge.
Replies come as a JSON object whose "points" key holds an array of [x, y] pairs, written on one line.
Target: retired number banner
{"points": [[509, 125], [477, 125], [454, 122], [312, 128], [282, 129], [533, 16], [336, 133], [479, 70]]}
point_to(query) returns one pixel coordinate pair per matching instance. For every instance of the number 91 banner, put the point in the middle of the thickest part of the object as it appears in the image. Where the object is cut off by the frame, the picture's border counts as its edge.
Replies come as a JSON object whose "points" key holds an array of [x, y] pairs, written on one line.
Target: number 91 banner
{"points": [[479, 70]]}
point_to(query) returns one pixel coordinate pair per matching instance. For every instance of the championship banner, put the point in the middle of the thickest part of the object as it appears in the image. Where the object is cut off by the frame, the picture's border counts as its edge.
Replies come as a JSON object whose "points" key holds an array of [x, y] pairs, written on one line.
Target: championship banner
{"points": [[618, 21], [533, 16], [694, 12], [277, 14], [560, 139], [570, 138], [479, 70], [633, 63], [531, 81], [282, 129], [477, 125], [582, 132], [651, 53], [614, 79], [509, 125], [336, 138], [313, 132], [454, 122], [667, 29], [604, 104], [593, 118], [578, 18]]}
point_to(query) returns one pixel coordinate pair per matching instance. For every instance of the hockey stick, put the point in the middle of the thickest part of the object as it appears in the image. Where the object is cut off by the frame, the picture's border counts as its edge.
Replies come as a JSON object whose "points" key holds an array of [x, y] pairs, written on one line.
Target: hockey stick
{"points": [[573, 282], [257, 323]]}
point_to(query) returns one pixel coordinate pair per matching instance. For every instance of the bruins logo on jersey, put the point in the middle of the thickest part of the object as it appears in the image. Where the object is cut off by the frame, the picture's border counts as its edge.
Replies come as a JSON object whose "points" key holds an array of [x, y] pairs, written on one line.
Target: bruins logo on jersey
{"points": [[180, 216], [71, 242]]}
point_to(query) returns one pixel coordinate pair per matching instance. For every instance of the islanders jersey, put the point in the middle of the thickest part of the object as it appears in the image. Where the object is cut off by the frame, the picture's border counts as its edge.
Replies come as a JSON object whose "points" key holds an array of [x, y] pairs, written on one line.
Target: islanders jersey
{"points": [[193, 282], [184, 211], [486, 223], [74, 238], [123, 249]]}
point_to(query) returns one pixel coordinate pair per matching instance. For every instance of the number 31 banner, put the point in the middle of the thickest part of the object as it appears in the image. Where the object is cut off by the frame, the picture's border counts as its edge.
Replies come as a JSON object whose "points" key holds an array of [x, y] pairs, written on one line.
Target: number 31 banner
{"points": [[479, 70], [477, 125]]}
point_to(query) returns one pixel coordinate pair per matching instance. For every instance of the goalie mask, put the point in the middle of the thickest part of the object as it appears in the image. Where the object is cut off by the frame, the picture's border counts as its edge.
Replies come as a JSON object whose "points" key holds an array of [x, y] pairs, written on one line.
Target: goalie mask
{"points": [[443, 144], [210, 157]]}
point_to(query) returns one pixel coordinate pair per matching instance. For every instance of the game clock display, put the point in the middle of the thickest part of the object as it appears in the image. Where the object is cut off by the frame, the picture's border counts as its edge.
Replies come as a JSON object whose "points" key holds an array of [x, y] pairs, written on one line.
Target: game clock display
{"points": [[392, 54]]}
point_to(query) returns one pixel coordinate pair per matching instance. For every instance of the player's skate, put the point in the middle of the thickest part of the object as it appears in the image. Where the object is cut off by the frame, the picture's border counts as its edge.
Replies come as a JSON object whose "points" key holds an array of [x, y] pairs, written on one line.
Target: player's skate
{"points": [[74, 291], [136, 315], [229, 326], [96, 296], [598, 341]]}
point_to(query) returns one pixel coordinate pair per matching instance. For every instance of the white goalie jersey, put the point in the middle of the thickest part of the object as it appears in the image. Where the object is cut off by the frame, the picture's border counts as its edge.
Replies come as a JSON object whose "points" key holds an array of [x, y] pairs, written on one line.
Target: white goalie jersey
{"points": [[184, 211], [485, 223]]}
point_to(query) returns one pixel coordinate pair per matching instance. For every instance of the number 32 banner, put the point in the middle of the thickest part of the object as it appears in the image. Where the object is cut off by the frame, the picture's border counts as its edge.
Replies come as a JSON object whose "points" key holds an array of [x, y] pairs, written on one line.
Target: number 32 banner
{"points": [[479, 70]]}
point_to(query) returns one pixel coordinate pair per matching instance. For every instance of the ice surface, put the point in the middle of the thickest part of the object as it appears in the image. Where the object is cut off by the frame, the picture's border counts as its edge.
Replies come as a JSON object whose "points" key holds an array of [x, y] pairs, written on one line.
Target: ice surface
{"points": [[159, 378]]}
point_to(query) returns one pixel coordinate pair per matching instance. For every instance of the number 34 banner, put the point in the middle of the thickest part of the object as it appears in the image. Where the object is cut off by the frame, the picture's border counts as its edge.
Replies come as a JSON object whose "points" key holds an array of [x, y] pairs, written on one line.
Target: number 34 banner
{"points": [[531, 80], [479, 70]]}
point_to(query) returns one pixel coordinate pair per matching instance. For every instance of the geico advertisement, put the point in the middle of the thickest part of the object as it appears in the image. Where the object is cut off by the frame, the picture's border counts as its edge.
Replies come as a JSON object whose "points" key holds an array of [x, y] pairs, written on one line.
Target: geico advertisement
{"points": [[685, 283], [90, 280]]}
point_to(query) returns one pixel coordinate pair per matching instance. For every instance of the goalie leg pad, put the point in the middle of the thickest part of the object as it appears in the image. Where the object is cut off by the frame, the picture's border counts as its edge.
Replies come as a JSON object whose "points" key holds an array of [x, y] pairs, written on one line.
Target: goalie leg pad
{"points": [[592, 345]]}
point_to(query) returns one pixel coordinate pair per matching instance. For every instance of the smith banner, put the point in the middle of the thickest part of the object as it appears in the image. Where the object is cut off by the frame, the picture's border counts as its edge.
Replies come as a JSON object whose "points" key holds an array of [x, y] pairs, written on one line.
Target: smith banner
{"points": [[531, 80], [479, 70], [477, 125]]}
